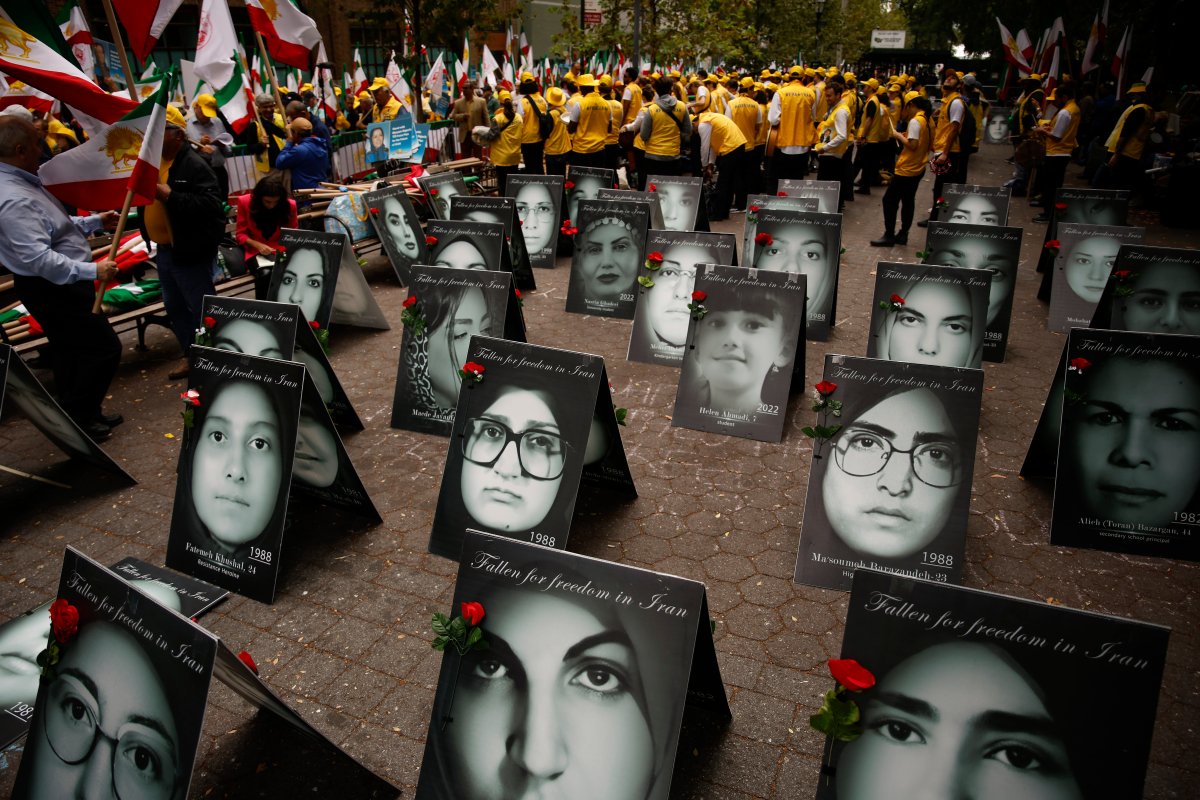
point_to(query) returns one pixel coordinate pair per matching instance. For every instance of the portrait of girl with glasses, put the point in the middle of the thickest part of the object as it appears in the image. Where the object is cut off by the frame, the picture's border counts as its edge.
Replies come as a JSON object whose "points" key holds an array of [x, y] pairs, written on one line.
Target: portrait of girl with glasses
{"points": [[515, 445], [895, 482], [537, 209]]}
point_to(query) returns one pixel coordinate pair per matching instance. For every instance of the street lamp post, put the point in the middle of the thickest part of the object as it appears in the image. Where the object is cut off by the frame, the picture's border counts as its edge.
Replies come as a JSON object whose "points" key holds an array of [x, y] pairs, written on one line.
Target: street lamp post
{"points": [[820, 10]]}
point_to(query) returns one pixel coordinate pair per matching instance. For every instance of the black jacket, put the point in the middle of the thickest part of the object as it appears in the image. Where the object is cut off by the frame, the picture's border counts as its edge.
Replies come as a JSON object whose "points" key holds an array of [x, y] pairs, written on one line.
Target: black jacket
{"points": [[195, 208]]}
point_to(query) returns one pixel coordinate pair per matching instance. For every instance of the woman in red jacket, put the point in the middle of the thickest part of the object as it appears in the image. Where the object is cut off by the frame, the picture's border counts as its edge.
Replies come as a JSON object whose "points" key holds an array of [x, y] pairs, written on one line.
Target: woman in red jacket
{"points": [[261, 215]]}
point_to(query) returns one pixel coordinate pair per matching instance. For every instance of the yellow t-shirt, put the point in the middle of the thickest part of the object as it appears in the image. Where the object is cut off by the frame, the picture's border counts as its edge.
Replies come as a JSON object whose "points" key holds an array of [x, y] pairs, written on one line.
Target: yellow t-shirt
{"points": [[506, 150], [158, 224], [595, 114], [529, 130]]}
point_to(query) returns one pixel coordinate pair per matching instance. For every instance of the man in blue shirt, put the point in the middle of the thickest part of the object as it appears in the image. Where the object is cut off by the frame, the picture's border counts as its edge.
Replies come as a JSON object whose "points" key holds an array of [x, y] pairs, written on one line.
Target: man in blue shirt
{"points": [[304, 154], [52, 268]]}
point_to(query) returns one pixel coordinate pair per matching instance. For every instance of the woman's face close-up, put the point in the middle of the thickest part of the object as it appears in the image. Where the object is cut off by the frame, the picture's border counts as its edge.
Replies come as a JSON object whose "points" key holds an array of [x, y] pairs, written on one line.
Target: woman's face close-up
{"points": [[303, 282], [445, 192], [801, 250], [609, 260], [105, 688], [553, 708], [736, 350], [237, 465], [377, 139], [538, 217], [982, 254], [956, 720], [249, 337], [1165, 299], [933, 327], [461, 255], [975, 210], [893, 513], [677, 205], [1136, 441], [998, 128], [316, 461], [505, 496], [395, 220], [1089, 264], [448, 345], [667, 301]]}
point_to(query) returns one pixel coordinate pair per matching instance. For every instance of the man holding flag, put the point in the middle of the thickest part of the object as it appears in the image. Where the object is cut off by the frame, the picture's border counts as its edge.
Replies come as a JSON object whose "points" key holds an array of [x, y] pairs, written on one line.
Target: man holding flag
{"points": [[52, 268]]}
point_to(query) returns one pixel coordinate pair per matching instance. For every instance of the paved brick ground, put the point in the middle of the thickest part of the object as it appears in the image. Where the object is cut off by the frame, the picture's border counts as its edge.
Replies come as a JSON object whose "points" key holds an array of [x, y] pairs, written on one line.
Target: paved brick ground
{"points": [[347, 641]]}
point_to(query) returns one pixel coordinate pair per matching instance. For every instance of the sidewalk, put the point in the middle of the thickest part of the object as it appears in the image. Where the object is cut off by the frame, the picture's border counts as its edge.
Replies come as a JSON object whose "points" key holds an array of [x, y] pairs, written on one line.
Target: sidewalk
{"points": [[347, 640]]}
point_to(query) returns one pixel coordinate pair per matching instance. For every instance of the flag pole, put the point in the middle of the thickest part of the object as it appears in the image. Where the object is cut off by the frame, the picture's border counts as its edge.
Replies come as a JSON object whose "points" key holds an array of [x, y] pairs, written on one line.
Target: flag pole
{"points": [[116, 241], [262, 131], [270, 69], [130, 80]]}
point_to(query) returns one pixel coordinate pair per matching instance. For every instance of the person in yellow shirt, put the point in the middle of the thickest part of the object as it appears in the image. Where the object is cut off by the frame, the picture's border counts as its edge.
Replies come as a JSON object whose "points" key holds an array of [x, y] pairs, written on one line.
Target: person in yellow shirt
{"points": [[750, 119], [533, 107], [945, 141], [723, 151], [895, 105], [612, 144], [558, 146], [504, 139], [791, 115], [915, 139], [1060, 144], [874, 134], [665, 126], [386, 106], [833, 138], [589, 122], [1127, 142], [638, 163]]}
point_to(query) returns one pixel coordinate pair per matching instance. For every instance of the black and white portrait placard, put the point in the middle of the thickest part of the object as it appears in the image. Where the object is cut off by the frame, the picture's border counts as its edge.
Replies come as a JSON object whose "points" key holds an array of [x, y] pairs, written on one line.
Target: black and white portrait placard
{"points": [[1085, 259], [20, 389], [585, 183], [660, 321], [1008, 686], [975, 205], [1091, 206], [1129, 449], [995, 249], [926, 314], [656, 217], [538, 202], [353, 301], [235, 471], [278, 330], [678, 200], [1150, 290], [306, 273], [997, 125], [808, 244], [466, 245], [770, 202], [607, 257], [398, 227], [599, 659], [826, 192], [452, 305], [503, 210], [741, 353], [440, 188], [518, 444], [892, 488], [135, 673], [22, 638]]}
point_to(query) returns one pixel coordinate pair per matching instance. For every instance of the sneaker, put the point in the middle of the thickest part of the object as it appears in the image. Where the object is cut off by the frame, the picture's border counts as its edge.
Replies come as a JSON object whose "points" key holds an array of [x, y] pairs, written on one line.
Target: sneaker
{"points": [[902, 237], [887, 240]]}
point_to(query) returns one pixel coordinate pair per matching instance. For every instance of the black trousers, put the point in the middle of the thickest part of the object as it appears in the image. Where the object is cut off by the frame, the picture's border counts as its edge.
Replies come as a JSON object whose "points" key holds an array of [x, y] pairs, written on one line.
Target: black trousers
{"points": [[612, 156], [557, 165], [953, 175], [1053, 172], [867, 162], [596, 159], [84, 349], [531, 154], [787, 165], [833, 168], [754, 173], [901, 194], [502, 174], [654, 166], [731, 180]]}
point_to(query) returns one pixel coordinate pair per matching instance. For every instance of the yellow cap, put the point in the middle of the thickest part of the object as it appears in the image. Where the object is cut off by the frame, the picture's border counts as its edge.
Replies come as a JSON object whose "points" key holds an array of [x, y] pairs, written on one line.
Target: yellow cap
{"points": [[895, 87], [527, 77], [766, 73], [570, 76], [810, 72], [306, 87], [959, 74], [337, 90], [207, 104], [364, 95], [1033, 76], [829, 73], [655, 76], [606, 80], [759, 86], [379, 83], [174, 117], [908, 98], [300, 124], [746, 82], [771, 85], [555, 97], [674, 74], [586, 80], [850, 76], [1136, 88], [504, 95], [871, 84]]}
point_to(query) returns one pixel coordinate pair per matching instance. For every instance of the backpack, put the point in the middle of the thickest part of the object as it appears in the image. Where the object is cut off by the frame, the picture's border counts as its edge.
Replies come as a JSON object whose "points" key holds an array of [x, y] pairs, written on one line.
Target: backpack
{"points": [[545, 121], [967, 130]]}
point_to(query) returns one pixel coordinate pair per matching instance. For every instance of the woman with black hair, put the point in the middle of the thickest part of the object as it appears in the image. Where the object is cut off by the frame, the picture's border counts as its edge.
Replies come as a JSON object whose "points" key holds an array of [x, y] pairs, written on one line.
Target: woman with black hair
{"points": [[461, 252], [261, 215]]}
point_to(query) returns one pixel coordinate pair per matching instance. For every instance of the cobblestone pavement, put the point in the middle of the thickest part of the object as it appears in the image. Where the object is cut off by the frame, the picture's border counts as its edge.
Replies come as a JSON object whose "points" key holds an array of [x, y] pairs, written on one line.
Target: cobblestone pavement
{"points": [[347, 640]]}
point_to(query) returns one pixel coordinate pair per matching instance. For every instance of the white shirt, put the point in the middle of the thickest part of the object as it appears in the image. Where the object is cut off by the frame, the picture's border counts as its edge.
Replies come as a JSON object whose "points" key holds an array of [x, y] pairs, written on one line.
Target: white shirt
{"points": [[841, 119]]}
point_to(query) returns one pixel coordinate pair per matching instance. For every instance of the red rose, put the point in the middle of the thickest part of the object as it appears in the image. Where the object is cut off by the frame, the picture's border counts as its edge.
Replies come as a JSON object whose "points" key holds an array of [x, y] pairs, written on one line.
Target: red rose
{"points": [[517, 292], [374, 210], [316, 326], [826, 388], [763, 239], [473, 369], [410, 302], [210, 323], [1061, 206], [699, 296], [655, 257], [248, 660], [64, 620], [897, 299], [1122, 274], [472, 612], [1079, 364], [191, 397], [430, 241], [940, 200], [851, 674], [652, 188], [753, 209], [1053, 244], [433, 192], [569, 185], [781, 194]]}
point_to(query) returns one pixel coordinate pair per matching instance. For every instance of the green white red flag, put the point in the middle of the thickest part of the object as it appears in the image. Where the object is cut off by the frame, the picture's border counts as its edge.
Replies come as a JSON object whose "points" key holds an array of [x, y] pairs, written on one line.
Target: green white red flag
{"points": [[218, 64], [122, 157]]}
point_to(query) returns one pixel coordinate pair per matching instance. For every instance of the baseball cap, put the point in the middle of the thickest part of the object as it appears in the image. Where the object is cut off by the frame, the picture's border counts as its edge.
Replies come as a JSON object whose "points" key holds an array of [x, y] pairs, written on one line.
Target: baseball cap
{"points": [[207, 105], [379, 83], [174, 117]]}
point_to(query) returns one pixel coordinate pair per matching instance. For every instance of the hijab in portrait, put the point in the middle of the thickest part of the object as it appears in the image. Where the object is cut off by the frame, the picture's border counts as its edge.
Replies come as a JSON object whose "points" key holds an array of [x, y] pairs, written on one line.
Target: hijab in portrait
{"points": [[465, 245], [975, 205], [608, 256], [1086, 258], [806, 244]]}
